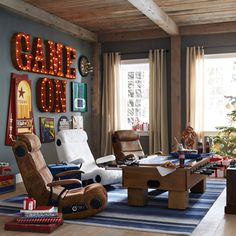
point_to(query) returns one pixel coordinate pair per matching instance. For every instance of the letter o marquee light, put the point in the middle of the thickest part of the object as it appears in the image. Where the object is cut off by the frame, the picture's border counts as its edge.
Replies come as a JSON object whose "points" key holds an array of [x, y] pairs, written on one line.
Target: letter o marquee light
{"points": [[51, 95]]}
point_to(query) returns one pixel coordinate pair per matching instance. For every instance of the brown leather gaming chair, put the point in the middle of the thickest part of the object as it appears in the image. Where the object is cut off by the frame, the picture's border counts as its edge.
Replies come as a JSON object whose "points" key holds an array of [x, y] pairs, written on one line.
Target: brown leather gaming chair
{"points": [[126, 142], [38, 180]]}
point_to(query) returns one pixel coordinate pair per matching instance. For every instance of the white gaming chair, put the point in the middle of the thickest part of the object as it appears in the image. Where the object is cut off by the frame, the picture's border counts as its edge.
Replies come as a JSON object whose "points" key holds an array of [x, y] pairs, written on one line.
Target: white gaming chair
{"points": [[72, 147]]}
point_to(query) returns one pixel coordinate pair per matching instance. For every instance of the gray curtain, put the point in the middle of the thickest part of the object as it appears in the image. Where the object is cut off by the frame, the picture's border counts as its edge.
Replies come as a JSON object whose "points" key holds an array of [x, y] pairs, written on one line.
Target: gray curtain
{"points": [[158, 132], [195, 88], [109, 119]]}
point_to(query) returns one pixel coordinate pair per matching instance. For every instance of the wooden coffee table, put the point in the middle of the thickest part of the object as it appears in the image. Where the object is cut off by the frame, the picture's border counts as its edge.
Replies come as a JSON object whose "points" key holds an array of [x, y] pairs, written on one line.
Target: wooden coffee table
{"points": [[178, 183]]}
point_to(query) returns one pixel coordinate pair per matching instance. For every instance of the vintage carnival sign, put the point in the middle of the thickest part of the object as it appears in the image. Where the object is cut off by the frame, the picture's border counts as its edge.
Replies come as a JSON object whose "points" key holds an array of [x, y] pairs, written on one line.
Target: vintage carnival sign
{"points": [[48, 58], [45, 58]]}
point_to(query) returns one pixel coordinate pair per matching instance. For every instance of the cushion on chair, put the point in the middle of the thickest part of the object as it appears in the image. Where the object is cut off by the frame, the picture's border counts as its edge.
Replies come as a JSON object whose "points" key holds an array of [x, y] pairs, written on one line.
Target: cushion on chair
{"points": [[126, 142], [74, 135], [126, 135], [74, 147], [130, 146], [32, 141], [74, 203]]}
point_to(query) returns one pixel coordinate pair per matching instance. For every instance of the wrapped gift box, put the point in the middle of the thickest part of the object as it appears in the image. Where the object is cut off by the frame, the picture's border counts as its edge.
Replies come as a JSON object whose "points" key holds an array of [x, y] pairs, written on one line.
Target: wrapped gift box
{"points": [[226, 162], [4, 168], [219, 173], [7, 183], [14, 225]]}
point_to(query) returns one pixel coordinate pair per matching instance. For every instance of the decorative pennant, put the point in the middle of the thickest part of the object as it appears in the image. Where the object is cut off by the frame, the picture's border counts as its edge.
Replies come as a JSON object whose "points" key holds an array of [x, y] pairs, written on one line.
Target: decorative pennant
{"points": [[20, 113]]}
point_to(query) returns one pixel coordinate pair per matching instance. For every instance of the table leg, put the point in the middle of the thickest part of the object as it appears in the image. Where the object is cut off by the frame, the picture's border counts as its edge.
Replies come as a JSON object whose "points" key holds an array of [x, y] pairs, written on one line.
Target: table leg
{"points": [[199, 187], [178, 199], [137, 196]]}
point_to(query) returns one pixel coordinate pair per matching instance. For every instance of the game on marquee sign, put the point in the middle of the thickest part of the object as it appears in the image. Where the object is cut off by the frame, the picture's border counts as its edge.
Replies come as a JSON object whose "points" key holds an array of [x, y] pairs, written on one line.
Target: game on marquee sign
{"points": [[48, 58]]}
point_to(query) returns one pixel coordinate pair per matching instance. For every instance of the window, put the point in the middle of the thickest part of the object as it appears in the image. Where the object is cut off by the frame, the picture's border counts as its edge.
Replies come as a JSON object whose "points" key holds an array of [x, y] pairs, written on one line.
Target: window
{"points": [[134, 94], [219, 81]]}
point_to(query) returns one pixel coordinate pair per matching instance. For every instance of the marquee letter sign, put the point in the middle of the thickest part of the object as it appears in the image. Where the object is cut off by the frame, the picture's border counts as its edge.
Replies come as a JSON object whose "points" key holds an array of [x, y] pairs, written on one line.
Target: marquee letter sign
{"points": [[21, 56], [39, 64], [55, 58], [51, 95], [35, 59]]}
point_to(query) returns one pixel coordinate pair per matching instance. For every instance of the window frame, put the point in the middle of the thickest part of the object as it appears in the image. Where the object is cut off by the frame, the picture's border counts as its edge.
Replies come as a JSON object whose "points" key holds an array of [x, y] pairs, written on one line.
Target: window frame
{"points": [[135, 62], [216, 56]]}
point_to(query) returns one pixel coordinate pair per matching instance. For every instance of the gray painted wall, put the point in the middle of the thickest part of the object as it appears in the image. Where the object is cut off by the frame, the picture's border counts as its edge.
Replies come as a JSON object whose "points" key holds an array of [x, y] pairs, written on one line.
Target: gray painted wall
{"points": [[213, 44], [10, 24], [217, 43], [139, 49]]}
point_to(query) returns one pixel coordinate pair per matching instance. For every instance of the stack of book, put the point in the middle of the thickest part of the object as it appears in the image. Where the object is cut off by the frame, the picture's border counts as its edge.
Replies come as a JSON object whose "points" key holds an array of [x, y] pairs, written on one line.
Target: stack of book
{"points": [[41, 219]]}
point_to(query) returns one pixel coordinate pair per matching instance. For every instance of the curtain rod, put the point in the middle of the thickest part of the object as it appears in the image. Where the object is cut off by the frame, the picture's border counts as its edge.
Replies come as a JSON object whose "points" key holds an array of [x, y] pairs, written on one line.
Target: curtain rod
{"points": [[221, 46], [126, 53]]}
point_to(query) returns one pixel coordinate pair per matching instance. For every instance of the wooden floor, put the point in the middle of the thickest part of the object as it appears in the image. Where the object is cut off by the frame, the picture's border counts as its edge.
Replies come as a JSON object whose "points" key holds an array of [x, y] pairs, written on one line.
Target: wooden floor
{"points": [[215, 223]]}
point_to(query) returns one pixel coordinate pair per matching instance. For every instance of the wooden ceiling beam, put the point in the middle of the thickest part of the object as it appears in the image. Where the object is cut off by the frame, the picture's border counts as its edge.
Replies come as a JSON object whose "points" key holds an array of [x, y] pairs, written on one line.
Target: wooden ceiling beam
{"points": [[48, 19], [132, 35], [216, 28], [213, 28], [150, 9]]}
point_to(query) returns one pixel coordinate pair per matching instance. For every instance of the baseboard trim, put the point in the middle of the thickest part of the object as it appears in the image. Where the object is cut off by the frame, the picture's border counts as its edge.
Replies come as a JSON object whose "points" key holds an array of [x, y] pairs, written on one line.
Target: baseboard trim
{"points": [[18, 178]]}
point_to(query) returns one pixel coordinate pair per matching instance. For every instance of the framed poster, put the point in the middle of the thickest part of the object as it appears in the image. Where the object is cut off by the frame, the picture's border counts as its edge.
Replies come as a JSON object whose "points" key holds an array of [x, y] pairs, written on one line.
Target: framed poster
{"points": [[63, 123], [79, 97], [77, 122], [47, 129]]}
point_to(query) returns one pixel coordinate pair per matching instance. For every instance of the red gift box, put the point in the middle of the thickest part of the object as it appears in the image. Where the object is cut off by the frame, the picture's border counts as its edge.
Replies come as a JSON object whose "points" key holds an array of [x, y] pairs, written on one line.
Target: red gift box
{"points": [[4, 170], [29, 203], [218, 173]]}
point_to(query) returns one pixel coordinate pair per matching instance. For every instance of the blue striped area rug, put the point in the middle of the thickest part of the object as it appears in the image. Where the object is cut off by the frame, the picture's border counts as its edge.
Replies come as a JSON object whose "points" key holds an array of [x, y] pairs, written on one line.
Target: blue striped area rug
{"points": [[154, 217]]}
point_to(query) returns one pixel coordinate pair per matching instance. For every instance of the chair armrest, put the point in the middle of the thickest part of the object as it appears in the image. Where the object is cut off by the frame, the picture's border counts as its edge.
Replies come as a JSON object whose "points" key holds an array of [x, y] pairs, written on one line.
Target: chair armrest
{"points": [[158, 153], [78, 161], [69, 172], [63, 182], [105, 159]]}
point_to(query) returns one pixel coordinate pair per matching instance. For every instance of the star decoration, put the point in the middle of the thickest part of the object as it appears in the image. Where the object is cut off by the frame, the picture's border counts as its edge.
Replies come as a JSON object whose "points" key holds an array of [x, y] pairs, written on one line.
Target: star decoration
{"points": [[21, 91]]}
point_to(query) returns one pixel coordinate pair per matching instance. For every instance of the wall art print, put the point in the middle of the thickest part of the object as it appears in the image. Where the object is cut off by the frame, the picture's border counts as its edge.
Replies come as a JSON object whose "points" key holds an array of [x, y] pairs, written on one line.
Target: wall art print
{"points": [[47, 129], [77, 122], [63, 123]]}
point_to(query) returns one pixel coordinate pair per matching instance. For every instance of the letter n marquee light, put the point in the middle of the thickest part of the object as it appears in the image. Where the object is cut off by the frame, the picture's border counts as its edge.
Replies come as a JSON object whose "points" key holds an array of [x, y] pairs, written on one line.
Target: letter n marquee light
{"points": [[51, 95]]}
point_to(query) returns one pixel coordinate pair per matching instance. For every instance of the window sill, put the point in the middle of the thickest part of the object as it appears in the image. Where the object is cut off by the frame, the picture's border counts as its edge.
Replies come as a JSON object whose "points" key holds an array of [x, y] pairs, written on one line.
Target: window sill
{"points": [[210, 133], [142, 133]]}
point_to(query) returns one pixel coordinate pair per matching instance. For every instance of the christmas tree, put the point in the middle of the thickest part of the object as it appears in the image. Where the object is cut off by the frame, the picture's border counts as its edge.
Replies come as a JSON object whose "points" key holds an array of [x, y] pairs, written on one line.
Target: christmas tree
{"points": [[225, 142]]}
